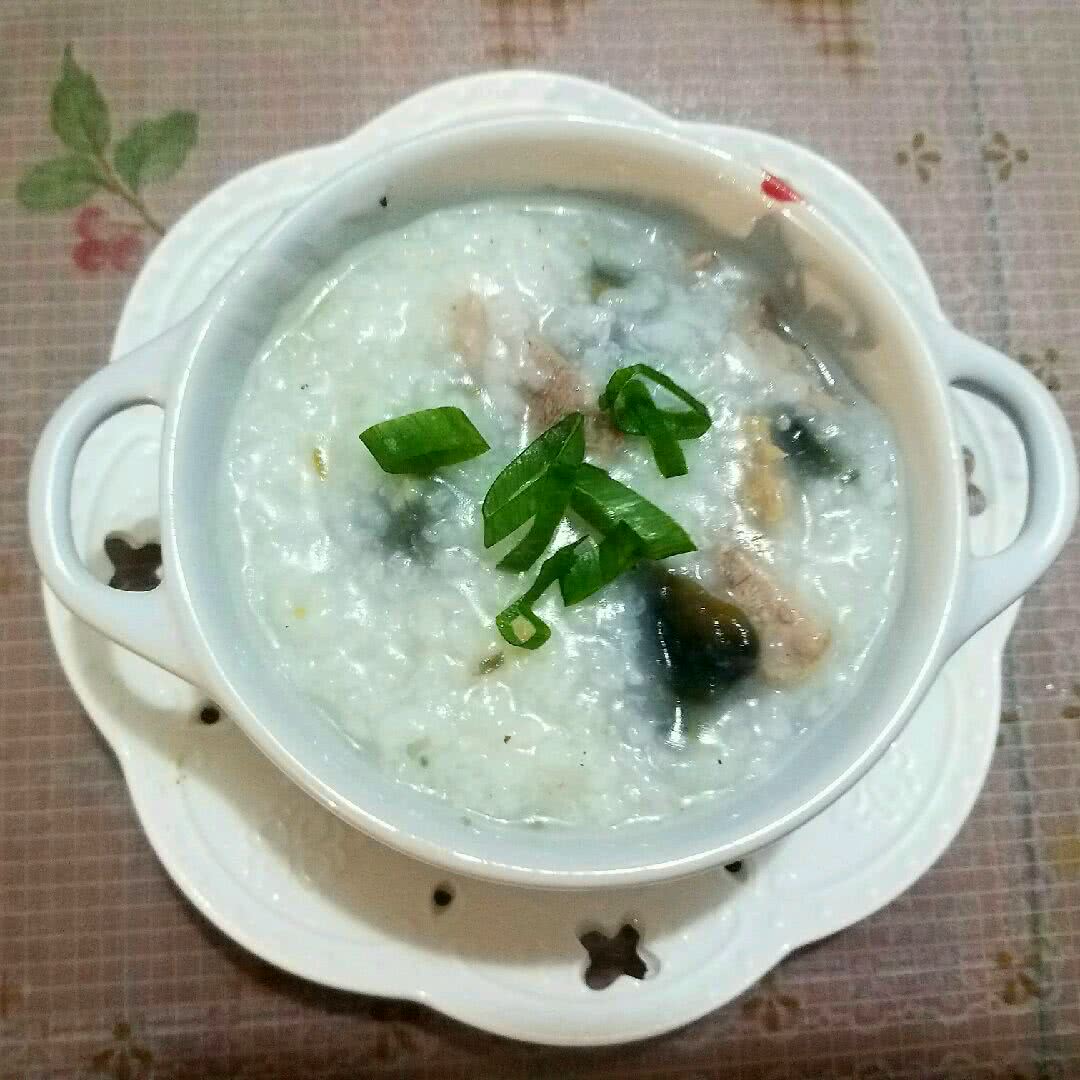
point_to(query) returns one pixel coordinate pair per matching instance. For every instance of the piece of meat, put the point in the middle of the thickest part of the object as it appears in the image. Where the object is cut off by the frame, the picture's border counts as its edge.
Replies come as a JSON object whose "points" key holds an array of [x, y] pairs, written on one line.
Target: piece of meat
{"points": [[470, 334], [552, 388], [764, 488], [792, 642], [555, 389]]}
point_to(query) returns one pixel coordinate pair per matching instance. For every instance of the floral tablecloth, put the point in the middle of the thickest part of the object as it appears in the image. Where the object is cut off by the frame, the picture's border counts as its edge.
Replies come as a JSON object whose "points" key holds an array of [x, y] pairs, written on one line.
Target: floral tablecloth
{"points": [[962, 115]]}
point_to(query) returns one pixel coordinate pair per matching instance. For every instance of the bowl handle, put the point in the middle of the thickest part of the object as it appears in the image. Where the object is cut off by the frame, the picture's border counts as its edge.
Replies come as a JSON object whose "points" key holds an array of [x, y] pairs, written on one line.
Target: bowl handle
{"points": [[992, 583], [141, 621]]}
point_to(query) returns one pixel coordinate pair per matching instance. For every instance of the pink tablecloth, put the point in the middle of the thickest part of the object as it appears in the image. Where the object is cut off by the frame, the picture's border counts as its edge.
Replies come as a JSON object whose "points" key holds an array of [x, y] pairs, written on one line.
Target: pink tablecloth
{"points": [[962, 115]]}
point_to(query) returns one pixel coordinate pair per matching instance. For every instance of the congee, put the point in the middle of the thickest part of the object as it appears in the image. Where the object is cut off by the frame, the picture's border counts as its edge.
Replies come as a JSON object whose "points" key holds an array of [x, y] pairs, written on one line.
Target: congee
{"points": [[689, 567]]}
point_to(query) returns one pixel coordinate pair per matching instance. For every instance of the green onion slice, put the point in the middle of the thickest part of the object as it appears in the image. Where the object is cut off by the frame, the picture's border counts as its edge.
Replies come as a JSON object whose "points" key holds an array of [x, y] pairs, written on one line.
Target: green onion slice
{"points": [[634, 412], [636, 408], [689, 423], [581, 569], [596, 565], [632, 529], [605, 503], [532, 486], [553, 499], [421, 442], [512, 621], [545, 480]]}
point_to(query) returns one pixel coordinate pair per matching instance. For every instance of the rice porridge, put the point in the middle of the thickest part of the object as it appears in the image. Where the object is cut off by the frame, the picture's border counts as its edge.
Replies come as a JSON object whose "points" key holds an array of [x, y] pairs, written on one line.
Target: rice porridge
{"points": [[375, 595]]}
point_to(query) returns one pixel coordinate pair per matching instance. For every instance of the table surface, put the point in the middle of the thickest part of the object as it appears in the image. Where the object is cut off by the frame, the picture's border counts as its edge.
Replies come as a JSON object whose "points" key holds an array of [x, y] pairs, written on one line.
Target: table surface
{"points": [[963, 116]]}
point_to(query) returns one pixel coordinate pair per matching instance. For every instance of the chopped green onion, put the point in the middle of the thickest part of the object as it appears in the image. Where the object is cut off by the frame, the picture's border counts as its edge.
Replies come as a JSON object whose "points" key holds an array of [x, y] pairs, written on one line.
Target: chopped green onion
{"points": [[636, 408], [689, 423], [552, 499], [420, 442], [536, 484], [581, 568], [633, 529], [511, 619], [634, 412], [596, 565], [604, 503], [545, 480]]}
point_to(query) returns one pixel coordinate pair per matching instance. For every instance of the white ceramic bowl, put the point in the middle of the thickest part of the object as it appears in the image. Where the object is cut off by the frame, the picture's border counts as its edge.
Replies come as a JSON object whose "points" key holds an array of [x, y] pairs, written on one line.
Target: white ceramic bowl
{"points": [[194, 371]]}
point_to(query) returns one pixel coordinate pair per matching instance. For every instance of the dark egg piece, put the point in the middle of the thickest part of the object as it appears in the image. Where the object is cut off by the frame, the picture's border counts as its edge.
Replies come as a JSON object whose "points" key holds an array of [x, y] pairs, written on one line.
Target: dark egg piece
{"points": [[806, 451], [704, 644]]}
